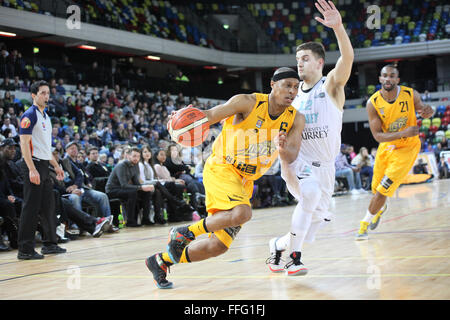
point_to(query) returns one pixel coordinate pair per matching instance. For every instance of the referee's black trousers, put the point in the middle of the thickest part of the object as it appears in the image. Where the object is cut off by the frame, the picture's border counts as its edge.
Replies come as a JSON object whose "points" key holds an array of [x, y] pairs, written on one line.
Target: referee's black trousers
{"points": [[37, 200]]}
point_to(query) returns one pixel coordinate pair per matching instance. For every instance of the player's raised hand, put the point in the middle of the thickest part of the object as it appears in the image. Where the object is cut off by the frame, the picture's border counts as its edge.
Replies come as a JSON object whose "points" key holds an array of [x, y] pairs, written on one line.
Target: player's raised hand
{"points": [[331, 15]]}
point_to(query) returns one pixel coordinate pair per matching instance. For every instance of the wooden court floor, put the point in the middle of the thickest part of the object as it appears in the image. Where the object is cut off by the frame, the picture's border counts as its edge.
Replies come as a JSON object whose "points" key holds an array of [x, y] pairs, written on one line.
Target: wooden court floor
{"points": [[407, 257]]}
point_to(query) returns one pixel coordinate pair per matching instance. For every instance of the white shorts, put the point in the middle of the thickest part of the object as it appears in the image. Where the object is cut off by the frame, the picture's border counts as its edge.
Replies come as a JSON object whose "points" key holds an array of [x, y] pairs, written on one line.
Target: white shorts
{"points": [[301, 172]]}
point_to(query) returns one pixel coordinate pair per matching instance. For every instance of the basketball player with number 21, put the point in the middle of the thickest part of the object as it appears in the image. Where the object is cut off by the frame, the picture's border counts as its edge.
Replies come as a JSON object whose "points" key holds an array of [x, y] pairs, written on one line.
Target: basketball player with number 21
{"points": [[257, 129]]}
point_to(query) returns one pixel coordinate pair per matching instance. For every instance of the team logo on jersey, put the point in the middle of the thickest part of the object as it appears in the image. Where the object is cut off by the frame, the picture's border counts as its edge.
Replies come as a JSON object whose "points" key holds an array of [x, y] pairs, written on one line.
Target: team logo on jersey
{"points": [[259, 124], [386, 182], [25, 123], [398, 124], [320, 95]]}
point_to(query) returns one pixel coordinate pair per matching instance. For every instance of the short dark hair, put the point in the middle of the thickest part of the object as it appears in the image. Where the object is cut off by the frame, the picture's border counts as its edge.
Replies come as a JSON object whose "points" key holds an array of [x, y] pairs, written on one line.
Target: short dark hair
{"points": [[393, 66], [316, 47], [92, 149], [135, 149], [37, 85]]}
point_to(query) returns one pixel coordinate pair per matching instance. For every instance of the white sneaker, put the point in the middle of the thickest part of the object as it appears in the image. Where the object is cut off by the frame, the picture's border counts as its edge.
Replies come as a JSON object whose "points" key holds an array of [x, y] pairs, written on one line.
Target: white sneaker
{"points": [[102, 225], [60, 231], [295, 267], [274, 262], [355, 191]]}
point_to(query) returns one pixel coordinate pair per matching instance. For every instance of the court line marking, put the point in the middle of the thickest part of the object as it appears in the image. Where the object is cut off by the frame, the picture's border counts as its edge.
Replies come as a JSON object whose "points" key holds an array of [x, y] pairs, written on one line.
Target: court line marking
{"points": [[262, 276]]}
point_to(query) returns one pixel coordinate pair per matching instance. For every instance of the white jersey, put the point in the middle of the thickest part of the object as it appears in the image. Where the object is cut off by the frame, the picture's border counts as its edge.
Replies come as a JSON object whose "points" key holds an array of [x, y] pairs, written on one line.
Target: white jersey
{"points": [[321, 141], [321, 138]]}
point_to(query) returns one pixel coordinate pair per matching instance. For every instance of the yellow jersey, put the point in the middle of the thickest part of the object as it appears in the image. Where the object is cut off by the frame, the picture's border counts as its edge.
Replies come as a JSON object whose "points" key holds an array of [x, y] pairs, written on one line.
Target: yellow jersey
{"points": [[249, 145], [397, 116]]}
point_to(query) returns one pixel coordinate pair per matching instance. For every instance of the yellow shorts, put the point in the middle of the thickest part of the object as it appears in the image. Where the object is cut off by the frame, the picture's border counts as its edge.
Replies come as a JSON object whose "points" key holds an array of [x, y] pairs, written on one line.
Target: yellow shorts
{"points": [[392, 165], [224, 190]]}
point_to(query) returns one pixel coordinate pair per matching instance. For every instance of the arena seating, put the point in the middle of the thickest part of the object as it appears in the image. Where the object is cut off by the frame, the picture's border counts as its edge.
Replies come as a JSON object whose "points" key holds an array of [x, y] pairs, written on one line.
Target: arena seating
{"points": [[435, 129], [291, 23], [151, 17], [287, 23]]}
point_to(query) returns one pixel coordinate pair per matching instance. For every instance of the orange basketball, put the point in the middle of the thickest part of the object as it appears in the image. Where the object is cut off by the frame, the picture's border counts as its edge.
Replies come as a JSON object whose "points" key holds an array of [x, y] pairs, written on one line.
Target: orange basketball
{"points": [[189, 127]]}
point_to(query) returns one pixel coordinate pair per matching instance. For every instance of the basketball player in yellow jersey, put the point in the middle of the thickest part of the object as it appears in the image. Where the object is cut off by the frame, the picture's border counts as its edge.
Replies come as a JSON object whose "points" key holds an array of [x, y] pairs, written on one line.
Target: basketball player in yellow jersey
{"points": [[392, 119], [258, 128]]}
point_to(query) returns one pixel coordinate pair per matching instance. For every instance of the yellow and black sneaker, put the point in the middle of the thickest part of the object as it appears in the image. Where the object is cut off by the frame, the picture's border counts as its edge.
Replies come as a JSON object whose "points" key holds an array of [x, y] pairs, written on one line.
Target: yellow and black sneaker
{"points": [[179, 238], [158, 268]]}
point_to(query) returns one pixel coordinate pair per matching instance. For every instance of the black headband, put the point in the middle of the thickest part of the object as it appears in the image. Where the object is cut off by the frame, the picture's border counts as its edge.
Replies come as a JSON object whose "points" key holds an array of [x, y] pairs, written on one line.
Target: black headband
{"points": [[285, 75]]}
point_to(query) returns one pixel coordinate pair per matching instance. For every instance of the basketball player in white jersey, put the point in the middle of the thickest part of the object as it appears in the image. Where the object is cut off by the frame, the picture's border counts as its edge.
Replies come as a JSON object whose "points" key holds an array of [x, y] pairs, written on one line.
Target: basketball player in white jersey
{"points": [[310, 178]]}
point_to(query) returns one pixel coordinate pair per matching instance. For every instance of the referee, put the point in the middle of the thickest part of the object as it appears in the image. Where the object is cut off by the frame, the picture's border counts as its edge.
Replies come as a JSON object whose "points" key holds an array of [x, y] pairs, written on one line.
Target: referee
{"points": [[35, 143]]}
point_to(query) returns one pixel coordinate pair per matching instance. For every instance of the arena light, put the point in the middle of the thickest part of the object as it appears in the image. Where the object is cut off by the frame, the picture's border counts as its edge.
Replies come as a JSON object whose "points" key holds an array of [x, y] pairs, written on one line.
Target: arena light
{"points": [[155, 58], [226, 26], [86, 47], [7, 34]]}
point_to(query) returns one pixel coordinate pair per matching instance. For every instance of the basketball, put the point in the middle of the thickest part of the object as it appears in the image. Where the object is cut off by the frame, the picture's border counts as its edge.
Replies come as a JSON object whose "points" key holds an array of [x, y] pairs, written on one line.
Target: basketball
{"points": [[189, 127]]}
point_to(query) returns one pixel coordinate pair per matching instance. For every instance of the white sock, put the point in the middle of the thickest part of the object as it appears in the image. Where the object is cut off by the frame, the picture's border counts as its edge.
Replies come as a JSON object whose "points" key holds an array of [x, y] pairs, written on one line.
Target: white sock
{"points": [[283, 242], [301, 221], [368, 216]]}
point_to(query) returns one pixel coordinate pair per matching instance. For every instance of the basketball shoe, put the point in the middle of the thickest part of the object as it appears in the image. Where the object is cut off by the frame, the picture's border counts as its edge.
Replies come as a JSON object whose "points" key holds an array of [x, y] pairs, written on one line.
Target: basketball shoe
{"points": [[158, 268], [362, 233], [295, 267], [274, 261], [376, 220], [179, 238]]}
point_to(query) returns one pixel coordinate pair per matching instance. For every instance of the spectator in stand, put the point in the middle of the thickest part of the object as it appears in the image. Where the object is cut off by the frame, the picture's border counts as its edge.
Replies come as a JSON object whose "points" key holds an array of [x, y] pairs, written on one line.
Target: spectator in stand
{"points": [[363, 162], [179, 169], [17, 84], [350, 153], [345, 170], [8, 100], [426, 96], [16, 64], [420, 167], [79, 185], [4, 69], [69, 213], [124, 183], [443, 169], [8, 210], [175, 186], [7, 85], [373, 154], [176, 206], [8, 125], [60, 87], [8, 148], [96, 168]]}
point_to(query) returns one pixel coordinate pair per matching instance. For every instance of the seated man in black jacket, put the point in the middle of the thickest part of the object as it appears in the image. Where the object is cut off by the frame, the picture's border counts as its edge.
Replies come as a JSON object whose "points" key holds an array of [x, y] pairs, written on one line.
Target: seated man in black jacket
{"points": [[95, 168], [124, 183]]}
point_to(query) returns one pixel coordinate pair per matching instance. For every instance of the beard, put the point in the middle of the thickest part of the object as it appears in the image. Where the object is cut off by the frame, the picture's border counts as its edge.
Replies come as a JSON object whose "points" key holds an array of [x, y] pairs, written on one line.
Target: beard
{"points": [[392, 87]]}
